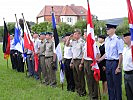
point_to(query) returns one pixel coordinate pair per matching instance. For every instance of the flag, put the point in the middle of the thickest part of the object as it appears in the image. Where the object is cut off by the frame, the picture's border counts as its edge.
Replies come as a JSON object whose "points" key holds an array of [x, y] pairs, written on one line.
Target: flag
{"points": [[91, 43], [130, 20], [18, 40], [6, 42], [28, 43], [58, 49]]}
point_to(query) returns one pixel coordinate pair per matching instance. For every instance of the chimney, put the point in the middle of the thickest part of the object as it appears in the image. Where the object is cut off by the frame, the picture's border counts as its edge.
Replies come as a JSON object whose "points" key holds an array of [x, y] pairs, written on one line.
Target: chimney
{"points": [[72, 5]]}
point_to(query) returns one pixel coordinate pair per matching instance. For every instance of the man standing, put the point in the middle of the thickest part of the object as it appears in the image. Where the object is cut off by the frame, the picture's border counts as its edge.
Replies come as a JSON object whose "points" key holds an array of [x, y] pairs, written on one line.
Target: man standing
{"points": [[86, 63], [113, 55], [42, 58], [12, 52], [67, 60], [50, 59], [77, 51], [36, 48], [128, 66]]}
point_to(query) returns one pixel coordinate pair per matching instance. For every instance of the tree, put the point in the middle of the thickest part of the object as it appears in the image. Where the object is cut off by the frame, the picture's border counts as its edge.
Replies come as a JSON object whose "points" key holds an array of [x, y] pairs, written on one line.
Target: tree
{"points": [[81, 24], [123, 27], [10, 27], [42, 27], [62, 28]]}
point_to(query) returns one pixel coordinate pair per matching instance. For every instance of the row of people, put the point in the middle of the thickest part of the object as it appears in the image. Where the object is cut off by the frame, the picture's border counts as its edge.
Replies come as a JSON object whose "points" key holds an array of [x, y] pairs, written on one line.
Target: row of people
{"points": [[78, 64]]}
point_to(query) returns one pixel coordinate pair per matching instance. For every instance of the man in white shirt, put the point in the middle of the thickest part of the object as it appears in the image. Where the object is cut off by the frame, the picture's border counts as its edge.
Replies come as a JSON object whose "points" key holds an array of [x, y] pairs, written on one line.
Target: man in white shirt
{"points": [[128, 66], [67, 61], [37, 43]]}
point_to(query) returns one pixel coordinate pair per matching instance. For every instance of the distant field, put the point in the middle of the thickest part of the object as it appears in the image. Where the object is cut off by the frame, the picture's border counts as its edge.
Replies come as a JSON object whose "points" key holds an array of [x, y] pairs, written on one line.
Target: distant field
{"points": [[15, 86]]}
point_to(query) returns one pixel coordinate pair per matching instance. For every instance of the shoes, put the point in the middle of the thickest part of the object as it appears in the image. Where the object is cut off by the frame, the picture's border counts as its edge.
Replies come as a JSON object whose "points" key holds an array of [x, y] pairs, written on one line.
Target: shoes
{"points": [[82, 94]]}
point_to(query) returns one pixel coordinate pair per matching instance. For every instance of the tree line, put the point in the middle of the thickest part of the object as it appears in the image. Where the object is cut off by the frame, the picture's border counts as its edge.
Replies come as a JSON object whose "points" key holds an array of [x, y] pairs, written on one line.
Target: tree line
{"points": [[62, 28]]}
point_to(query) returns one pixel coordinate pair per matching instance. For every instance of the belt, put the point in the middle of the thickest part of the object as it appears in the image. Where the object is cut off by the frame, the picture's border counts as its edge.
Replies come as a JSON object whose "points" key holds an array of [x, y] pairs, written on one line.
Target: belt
{"points": [[112, 60], [129, 72], [42, 55], [29, 54], [48, 57]]}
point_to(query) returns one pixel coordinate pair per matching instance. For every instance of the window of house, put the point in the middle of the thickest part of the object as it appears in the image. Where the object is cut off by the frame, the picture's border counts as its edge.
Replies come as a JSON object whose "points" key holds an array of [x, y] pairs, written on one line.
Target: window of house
{"points": [[68, 19], [83, 17], [62, 19]]}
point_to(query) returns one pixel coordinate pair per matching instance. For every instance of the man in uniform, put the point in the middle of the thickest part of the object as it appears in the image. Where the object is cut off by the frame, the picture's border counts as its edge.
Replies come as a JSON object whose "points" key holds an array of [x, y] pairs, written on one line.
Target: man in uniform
{"points": [[128, 66], [89, 72], [50, 59], [113, 55], [77, 51], [67, 60], [42, 58]]}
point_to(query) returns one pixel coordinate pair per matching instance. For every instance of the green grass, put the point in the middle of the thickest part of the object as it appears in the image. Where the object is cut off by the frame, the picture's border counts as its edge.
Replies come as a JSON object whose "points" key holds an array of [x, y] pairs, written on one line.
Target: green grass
{"points": [[15, 86]]}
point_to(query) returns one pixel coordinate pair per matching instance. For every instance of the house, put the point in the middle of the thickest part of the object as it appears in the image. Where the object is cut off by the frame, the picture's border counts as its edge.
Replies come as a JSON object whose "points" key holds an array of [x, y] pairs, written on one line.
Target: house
{"points": [[68, 14]]}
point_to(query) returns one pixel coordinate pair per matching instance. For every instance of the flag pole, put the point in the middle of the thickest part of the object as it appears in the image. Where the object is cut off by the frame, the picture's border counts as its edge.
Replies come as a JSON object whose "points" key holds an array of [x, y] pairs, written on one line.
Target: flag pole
{"points": [[7, 64], [99, 92], [24, 60], [16, 19], [7, 59]]}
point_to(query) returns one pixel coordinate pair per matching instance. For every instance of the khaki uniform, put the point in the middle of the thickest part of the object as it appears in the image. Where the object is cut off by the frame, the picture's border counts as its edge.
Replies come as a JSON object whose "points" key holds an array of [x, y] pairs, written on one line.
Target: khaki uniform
{"points": [[77, 52], [42, 62], [49, 52]]}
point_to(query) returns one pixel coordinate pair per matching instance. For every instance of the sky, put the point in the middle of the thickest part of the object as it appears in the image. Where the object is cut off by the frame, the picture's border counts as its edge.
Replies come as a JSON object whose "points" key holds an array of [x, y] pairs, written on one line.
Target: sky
{"points": [[104, 9]]}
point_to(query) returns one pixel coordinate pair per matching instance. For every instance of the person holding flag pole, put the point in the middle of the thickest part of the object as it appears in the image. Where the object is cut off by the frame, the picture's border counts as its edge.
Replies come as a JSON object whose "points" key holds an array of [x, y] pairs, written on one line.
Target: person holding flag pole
{"points": [[19, 46], [58, 49], [91, 53], [128, 55], [28, 44]]}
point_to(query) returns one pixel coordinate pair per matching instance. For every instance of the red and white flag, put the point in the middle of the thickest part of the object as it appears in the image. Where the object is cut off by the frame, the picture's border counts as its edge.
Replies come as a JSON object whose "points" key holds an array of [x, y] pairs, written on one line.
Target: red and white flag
{"points": [[28, 41], [91, 45], [28, 44], [130, 20]]}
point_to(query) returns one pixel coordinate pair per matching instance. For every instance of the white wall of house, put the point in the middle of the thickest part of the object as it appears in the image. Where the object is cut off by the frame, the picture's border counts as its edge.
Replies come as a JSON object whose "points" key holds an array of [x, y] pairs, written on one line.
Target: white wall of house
{"points": [[71, 20], [41, 19]]}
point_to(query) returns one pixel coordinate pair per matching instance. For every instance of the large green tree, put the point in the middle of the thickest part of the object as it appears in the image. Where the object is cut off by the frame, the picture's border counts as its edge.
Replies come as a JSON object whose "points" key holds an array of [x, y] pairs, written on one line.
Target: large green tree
{"points": [[62, 28], [42, 27], [123, 27]]}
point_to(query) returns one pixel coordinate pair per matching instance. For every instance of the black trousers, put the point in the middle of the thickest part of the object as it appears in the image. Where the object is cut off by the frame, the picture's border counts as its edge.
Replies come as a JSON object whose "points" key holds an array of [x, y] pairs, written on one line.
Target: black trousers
{"points": [[20, 67], [13, 58], [128, 79], [69, 75]]}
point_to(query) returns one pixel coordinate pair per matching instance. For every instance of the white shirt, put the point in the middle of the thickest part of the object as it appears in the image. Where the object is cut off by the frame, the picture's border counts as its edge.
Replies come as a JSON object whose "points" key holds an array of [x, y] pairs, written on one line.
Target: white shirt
{"points": [[85, 52], [12, 46], [67, 52], [37, 43], [127, 59]]}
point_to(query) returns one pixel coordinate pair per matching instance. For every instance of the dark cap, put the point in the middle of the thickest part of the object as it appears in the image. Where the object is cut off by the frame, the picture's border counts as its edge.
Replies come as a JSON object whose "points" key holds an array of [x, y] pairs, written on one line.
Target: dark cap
{"points": [[111, 26], [126, 34], [50, 33], [102, 36], [68, 34], [77, 30], [43, 33]]}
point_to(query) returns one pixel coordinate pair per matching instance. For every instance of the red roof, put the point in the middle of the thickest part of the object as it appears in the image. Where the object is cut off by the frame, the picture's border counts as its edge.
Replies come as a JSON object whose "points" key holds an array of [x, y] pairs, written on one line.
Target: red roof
{"points": [[63, 10]]}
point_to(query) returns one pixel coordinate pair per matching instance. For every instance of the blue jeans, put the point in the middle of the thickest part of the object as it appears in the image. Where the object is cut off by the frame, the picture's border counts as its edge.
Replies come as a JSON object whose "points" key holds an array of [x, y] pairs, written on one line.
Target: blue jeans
{"points": [[30, 65], [114, 81]]}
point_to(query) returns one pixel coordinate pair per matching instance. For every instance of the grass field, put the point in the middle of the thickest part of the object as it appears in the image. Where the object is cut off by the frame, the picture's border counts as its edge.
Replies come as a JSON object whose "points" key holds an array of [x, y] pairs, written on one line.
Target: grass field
{"points": [[15, 86]]}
